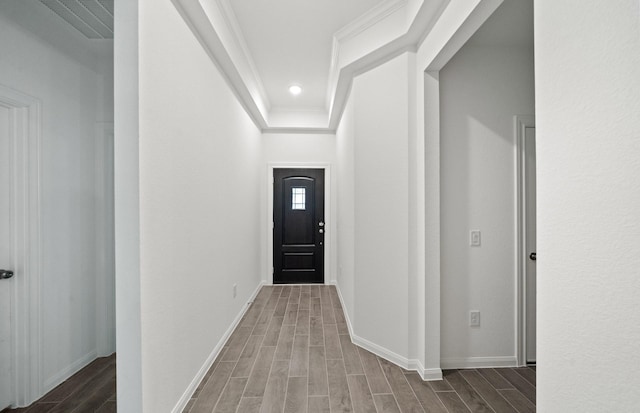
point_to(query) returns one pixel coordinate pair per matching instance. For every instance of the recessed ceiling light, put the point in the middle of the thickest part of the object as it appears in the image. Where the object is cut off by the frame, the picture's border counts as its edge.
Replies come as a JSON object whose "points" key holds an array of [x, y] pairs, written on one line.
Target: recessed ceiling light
{"points": [[295, 90]]}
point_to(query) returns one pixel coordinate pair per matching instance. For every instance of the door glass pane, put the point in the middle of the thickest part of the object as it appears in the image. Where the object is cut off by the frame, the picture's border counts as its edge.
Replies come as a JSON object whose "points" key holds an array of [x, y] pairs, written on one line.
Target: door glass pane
{"points": [[298, 198]]}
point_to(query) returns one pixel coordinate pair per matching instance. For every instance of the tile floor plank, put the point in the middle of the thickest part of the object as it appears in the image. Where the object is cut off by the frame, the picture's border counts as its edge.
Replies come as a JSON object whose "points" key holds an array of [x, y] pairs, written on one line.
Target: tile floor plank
{"points": [[260, 373], [440, 385], [231, 395], [305, 301], [316, 332], [373, 371], [273, 331], [528, 374], [213, 389], [453, 402], [263, 323], [281, 308], [78, 397], [248, 357], [517, 400], [250, 404], [300, 357], [332, 342], [236, 345], [386, 403], [292, 314], [92, 403], [296, 399], [339, 397], [496, 380], [108, 407], [427, 397], [316, 307], [273, 400], [405, 396], [498, 403], [467, 393], [520, 383], [318, 385], [360, 394], [302, 323], [319, 404], [285, 342], [351, 357], [65, 389]]}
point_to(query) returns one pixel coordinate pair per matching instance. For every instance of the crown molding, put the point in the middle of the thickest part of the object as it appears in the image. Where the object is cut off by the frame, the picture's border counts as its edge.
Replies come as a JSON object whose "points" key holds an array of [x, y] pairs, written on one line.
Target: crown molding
{"points": [[369, 19], [232, 21], [214, 24]]}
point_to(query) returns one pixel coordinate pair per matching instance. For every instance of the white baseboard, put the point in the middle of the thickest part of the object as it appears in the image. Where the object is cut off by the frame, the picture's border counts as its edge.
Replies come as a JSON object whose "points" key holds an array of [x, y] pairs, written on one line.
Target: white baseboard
{"points": [[405, 363], [478, 362], [186, 396], [50, 383]]}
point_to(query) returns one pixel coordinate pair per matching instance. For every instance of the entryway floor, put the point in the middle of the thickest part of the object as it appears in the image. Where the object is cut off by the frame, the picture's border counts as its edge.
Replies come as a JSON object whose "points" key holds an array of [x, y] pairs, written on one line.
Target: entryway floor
{"points": [[292, 353]]}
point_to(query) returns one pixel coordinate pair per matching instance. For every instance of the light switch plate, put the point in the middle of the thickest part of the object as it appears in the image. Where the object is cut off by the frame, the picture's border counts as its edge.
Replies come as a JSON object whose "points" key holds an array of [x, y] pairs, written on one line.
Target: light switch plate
{"points": [[474, 318], [474, 238]]}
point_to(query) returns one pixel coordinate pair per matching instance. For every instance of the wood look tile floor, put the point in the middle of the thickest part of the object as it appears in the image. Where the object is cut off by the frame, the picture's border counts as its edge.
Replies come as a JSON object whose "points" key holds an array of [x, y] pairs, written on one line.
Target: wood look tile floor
{"points": [[291, 353], [92, 389]]}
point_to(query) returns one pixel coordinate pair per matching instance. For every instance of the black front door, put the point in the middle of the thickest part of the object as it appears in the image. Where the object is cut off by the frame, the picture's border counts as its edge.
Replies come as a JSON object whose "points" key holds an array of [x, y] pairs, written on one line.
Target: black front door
{"points": [[298, 226]]}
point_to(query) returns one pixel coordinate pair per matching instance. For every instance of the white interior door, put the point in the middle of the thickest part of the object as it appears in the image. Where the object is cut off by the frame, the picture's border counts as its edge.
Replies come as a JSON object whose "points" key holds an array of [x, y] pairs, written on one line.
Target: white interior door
{"points": [[530, 248], [6, 387]]}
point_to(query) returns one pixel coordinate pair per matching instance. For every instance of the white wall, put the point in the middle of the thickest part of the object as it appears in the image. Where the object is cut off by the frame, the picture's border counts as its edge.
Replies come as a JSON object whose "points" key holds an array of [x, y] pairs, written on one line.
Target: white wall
{"points": [[200, 180], [127, 206], [297, 150], [345, 143], [374, 155], [588, 160], [47, 59], [481, 88]]}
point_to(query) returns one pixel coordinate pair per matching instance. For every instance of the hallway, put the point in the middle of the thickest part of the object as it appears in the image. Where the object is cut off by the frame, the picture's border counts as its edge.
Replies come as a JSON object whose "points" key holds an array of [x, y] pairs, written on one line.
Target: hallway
{"points": [[292, 352]]}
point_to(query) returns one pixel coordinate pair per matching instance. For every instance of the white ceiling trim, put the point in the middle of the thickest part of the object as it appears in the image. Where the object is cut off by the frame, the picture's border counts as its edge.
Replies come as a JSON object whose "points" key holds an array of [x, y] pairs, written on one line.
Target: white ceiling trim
{"points": [[376, 37], [367, 20], [232, 21], [373, 16]]}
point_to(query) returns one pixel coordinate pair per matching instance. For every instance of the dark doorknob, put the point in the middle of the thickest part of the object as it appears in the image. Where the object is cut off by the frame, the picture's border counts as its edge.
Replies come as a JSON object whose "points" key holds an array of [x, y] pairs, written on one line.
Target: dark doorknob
{"points": [[532, 256], [4, 274]]}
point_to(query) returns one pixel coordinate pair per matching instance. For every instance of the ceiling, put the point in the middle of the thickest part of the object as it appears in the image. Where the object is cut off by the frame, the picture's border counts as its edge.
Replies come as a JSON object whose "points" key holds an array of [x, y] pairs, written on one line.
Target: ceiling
{"points": [[92, 18], [264, 46], [290, 41], [510, 25]]}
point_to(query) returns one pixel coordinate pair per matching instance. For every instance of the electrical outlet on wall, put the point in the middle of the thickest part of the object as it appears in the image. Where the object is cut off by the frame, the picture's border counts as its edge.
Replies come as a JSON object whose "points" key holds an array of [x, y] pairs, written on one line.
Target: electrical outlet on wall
{"points": [[474, 238], [474, 318], [235, 290]]}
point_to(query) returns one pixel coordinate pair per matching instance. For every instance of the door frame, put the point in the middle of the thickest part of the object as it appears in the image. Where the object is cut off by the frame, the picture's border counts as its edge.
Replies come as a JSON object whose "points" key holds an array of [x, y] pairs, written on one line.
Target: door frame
{"points": [[521, 122], [105, 239], [26, 314], [328, 241]]}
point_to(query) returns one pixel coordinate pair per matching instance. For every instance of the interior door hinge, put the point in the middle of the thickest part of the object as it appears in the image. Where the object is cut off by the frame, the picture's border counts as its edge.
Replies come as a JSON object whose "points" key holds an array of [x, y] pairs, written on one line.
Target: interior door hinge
{"points": [[273, 225], [272, 271]]}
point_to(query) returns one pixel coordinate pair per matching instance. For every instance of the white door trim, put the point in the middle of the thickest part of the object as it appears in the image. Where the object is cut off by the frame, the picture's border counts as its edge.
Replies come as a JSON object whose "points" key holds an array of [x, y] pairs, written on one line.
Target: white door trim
{"points": [[329, 227], [520, 123], [25, 124], [105, 241]]}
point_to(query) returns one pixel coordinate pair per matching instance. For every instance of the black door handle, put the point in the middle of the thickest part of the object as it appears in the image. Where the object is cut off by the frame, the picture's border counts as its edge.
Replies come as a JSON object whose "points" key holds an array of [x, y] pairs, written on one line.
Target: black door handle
{"points": [[5, 274], [532, 256]]}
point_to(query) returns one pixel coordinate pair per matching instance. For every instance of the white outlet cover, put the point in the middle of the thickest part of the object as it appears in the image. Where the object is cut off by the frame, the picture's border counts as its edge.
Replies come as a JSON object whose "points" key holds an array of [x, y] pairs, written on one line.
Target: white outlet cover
{"points": [[474, 318], [475, 238]]}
